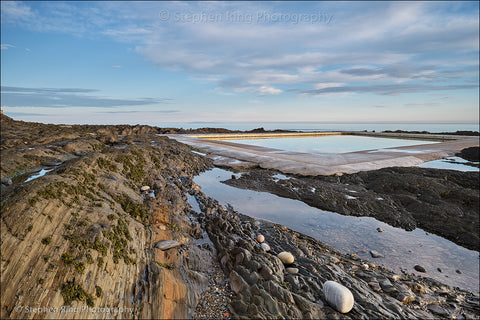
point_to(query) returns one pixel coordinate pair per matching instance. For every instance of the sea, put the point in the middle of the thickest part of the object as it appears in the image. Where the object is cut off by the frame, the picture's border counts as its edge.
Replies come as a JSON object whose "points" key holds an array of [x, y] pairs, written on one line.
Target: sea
{"points": [[327, 126]]}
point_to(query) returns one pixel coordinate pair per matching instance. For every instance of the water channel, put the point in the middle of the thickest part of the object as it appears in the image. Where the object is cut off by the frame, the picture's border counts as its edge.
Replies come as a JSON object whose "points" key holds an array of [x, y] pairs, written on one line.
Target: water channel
{"points": [[402, 250]]}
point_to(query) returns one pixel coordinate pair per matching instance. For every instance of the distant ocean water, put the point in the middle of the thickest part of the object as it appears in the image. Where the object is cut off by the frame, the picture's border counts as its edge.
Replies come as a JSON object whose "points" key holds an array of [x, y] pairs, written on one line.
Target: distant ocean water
{"points": [[329, 126]]}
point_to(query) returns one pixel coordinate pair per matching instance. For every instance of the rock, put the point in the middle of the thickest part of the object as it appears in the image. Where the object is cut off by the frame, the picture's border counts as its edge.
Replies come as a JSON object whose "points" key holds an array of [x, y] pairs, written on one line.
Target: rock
{"points": [[50, 163], [375, 286], [439, 270], [379, 229], [419, 268], [458, 271], [292, 270], [286, 257], [338, 296], [265, 246], [334, 260], [7, 181], [470, 154], [237, 283], [167, 244], [387, 286], [375, 254], [260, 238], [144, 188], [403, 297], [436, 309], [396, 277]]}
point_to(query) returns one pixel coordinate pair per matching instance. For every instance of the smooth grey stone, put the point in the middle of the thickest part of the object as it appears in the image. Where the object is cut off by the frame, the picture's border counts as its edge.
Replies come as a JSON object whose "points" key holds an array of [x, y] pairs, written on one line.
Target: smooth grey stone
{"points": [[167, 244], [375, 254]]}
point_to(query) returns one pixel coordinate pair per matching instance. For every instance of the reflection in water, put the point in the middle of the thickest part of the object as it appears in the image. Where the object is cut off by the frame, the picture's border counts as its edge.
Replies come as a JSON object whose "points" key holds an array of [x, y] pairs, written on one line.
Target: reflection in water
{"points": [[331, 144], [402, 249], [451, 163]]}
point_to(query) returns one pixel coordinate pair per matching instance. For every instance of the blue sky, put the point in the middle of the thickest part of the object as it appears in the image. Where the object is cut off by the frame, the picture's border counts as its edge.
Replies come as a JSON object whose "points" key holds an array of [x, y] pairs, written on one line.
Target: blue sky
{"points": [[163, 62]]}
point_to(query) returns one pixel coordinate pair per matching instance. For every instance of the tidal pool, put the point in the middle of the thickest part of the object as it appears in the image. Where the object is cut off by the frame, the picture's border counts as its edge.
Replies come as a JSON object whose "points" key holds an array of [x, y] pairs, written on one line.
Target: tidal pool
{"points": [[402, 250], [330, 144], [450, 163]]}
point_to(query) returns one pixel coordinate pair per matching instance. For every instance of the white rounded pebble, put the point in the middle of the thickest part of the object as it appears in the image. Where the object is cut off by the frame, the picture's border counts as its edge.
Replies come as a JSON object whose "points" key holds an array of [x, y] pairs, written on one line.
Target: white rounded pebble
{"points": [[292, 270], [145, 188], [260, 238], [286, 257], [265, 247], [338, 296]]}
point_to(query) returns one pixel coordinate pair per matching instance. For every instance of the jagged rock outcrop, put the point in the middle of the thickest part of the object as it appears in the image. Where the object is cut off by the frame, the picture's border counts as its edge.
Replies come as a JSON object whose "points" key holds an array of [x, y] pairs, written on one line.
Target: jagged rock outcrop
{"points": [[82, 236]]}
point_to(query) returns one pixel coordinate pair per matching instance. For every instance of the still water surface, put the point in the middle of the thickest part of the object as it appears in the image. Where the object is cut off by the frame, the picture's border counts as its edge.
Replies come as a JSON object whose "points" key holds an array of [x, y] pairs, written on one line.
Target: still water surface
{"points": [[402, 249], [331, 144]]}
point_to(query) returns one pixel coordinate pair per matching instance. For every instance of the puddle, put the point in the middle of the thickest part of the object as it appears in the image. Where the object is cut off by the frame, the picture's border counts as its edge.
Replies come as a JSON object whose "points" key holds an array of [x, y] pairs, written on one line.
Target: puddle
{"points": [[38, 174], [280, 177], [193, 202], [402, 249], [451, 163], [200, 153]]}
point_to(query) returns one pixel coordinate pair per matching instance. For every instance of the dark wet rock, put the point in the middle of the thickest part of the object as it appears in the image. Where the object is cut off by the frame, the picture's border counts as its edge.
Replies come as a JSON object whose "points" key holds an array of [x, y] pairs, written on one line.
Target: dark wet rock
{"points": [[419, 268], [458, 271], [437, 310], [470, 154]]}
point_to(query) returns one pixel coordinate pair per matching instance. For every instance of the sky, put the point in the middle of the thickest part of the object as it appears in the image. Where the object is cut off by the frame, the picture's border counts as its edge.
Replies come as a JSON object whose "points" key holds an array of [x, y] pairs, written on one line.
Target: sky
{"points": [[177, 62]]}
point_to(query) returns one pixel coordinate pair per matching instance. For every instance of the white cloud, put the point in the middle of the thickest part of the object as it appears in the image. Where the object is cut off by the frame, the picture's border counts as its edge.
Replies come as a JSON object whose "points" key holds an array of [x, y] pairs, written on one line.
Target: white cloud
{"points": [[6, 46], [268, 90], [391, 42], [328, 85], [14, 11]]}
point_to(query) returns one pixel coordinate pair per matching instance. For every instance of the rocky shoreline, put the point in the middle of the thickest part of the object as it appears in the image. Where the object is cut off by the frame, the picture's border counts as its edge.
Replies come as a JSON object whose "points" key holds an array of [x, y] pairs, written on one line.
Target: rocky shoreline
{"points": [[106, 230]]}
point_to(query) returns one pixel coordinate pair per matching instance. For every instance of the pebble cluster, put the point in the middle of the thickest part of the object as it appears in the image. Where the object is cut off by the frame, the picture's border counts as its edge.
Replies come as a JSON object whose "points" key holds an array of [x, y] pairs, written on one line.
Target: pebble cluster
{"points": [[215, 300]]}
